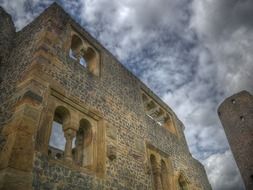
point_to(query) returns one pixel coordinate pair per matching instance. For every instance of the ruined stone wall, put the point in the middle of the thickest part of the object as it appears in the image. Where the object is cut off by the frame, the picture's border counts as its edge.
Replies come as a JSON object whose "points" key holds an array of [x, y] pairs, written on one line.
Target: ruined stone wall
{"points": [[236, 115], [21, 47], [41, 59], [7, 32]]}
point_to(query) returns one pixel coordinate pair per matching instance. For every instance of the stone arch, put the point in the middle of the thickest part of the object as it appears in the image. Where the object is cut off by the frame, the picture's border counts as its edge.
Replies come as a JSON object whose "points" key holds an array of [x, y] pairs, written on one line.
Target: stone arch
{"points": [[76, 45], [57, 140], [91, 58], [83, 52], [83, 151], [62, 115]]}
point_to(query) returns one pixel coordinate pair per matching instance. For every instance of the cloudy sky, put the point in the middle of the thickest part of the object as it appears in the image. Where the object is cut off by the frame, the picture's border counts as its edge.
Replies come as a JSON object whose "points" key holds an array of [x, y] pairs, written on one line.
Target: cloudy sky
{"points": [[192, 53]]}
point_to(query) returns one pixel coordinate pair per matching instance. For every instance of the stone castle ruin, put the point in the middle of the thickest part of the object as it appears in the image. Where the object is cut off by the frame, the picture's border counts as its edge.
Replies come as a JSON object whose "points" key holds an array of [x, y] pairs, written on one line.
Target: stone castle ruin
{"points": [[72, 117]]}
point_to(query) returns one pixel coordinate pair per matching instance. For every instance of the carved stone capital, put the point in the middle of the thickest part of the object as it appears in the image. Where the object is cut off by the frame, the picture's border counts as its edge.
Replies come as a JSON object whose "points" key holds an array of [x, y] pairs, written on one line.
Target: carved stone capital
{"points": [[69, 133]]}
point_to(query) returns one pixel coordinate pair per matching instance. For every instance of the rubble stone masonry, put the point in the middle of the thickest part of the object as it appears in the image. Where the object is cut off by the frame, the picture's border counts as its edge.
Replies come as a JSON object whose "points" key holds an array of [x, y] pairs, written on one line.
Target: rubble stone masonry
{"points": [[117, 133]]}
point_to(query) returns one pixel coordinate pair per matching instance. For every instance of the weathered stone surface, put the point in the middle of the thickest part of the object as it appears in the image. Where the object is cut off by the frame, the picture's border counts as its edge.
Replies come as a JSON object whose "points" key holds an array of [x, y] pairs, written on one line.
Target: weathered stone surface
{"points": [[33, 96], [7, 33], [236, 115], [40, 79]]}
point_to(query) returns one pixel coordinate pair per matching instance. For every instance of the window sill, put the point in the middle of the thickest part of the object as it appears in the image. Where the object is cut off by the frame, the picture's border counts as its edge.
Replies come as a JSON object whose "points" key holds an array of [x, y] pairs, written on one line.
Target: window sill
{"points": [[71, 166]]}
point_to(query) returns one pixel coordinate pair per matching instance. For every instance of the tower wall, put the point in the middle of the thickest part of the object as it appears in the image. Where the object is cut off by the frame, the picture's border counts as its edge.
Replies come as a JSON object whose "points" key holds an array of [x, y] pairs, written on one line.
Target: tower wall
{"points": [[236, 115]]}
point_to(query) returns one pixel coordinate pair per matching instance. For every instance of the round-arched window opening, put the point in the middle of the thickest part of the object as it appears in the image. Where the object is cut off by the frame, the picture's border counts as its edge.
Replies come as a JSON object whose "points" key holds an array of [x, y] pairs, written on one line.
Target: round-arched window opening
{"points": [[76, 42], [61, 115], [85, 132], [82, 150], [89, 54], [76, 46], [90, 57], [57, 139], [81, 51]]}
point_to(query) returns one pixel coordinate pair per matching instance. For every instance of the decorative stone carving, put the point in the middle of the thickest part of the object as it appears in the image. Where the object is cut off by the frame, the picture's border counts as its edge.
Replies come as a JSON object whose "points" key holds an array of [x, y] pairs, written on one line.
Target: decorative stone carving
{"points": [[111, 151]]}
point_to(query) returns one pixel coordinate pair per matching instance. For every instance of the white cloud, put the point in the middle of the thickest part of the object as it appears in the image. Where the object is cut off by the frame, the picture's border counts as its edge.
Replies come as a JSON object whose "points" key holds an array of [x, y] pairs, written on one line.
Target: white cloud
{"points": [[222, 173]]}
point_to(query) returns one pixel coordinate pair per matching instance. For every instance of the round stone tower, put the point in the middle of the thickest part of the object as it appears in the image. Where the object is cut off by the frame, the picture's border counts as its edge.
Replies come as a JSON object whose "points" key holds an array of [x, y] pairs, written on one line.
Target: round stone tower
{"points": [[236, 115]]}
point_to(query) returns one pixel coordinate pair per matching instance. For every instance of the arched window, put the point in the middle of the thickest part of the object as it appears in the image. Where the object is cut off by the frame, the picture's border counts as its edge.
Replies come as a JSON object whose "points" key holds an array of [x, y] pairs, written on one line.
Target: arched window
{"points": [[76, 46], [164, 175], [91, 58], [83, 150], [87, 56], [57, 140]]}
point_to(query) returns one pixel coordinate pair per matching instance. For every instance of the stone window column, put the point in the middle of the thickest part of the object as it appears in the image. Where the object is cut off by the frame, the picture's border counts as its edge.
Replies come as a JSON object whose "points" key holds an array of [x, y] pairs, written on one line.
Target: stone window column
{"points": [[69, 135], [157, 177]]}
